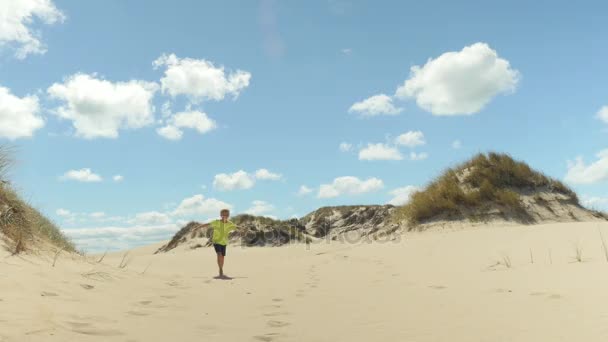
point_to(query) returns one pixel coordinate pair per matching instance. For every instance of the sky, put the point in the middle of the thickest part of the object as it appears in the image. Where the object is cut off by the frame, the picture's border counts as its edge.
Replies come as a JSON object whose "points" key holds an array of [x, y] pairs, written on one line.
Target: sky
{"points": [[127, 119]]}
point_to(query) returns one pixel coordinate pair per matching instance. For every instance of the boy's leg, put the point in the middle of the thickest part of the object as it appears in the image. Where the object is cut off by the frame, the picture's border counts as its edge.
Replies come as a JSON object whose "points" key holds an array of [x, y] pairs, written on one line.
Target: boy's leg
{"points": [[220, 263]]}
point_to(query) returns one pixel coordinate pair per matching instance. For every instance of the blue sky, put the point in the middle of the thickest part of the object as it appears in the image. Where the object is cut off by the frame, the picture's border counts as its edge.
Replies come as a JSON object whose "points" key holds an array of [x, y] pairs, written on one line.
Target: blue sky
{"points": [[131, 118]]}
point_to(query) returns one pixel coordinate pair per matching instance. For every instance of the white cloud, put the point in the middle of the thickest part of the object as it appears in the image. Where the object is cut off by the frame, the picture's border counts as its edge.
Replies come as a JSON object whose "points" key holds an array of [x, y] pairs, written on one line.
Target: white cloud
{"points": [[151, 218], [199, 79], [264, 174], [457, 83], [235, 181], [18, 116], [418, 156], [260, 208], [82, 175], [596, 203], [456, 144], [170, 132], [15, 18], [100, 239], [99, 108], [581, 173], [402, 195], [63, 212], [118, 178], [193, 119], [349, 185], [304, 190], [97, 214], [345, 147], [411, 139], [379, 152], [376, 105], [198, 205], [602, 114], [347, 51]]}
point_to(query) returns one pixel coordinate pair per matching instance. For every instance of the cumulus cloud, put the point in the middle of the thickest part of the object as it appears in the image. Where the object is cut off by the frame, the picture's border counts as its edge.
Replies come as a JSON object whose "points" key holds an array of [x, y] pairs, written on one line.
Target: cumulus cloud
{"points": [[99, 108], [402, 195], [63, 212], [595, 172], [460, 83], [418, 156], [151, 218], [16, 18], [379, 152], [170, 132], [18, 116], [118, 178], [110, 238], [345, 147], [192, 119], [602, 114], [595, 202], [82, 175], [97, 214], [456, 144], [236, 181], [264, 174], [411, 139], [349, 185], [304, 190], [199, 79], [260, 208], [198, 205], [376, 105]]}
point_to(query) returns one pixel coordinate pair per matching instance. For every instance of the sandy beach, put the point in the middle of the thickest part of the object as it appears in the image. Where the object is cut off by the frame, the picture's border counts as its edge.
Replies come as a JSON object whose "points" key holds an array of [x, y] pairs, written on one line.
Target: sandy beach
{"points": [[443, 285]]}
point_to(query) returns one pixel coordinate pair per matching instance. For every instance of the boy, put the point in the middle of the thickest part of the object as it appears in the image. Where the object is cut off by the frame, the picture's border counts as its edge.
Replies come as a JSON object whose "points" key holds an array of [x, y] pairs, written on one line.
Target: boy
{"points": [[221, 229]]}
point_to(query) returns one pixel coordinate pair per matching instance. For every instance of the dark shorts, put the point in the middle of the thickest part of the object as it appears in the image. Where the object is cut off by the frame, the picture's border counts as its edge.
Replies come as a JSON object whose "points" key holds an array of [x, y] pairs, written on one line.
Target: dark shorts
{"points": [[220, 249]]}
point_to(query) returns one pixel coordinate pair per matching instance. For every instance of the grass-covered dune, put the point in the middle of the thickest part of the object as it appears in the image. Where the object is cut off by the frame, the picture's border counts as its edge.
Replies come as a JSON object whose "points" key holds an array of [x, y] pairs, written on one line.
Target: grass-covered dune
{"points": [[493, 185], [21, 225]]}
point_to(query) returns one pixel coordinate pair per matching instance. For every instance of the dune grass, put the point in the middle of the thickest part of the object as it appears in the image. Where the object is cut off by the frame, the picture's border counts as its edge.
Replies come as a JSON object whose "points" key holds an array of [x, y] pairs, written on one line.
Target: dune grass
{"points": [[20, 223], [470, 190]]}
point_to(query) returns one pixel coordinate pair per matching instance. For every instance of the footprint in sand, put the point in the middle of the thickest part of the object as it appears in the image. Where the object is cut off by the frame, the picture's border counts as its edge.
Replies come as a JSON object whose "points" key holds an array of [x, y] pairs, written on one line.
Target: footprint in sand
{"points": [[168, 297], [277, 299], [48, 294], [88, 329], [266, 337], [277, 324], [502, 290], [438, 287], [87, 286], [548, 295], [137, 313], [278, 313]]}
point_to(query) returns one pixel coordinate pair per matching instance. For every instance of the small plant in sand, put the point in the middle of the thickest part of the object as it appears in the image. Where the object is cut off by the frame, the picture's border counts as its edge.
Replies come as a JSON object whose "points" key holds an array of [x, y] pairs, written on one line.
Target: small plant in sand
{"points": [[145, 269], [603, 243], [125, 261], [506, 261], [578, 252], [103, 256], [56, 256], [531, 256]]}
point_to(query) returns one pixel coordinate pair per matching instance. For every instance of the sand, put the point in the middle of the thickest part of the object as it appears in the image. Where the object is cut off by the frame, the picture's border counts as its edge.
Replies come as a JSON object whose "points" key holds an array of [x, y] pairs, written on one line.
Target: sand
{"points": [[450, 285]]}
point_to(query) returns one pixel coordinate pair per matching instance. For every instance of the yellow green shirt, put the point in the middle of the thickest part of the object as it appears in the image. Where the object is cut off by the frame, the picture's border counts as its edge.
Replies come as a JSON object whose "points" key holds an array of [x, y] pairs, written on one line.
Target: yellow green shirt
{"points": [[221, 231]]}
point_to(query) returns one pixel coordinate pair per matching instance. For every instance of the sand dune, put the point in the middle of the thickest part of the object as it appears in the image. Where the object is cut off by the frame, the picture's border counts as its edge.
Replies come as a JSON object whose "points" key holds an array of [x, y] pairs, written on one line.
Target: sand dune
{"points": [[442, 285]]}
